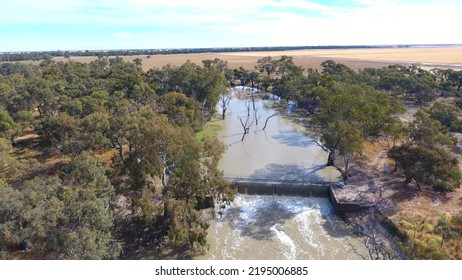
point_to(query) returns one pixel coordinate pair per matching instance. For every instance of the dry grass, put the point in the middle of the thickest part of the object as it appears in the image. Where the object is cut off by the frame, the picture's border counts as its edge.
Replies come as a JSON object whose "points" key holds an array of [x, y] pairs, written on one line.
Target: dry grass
{"points": [[449, 57], [435, 55], [425, 239], [414, 213]]}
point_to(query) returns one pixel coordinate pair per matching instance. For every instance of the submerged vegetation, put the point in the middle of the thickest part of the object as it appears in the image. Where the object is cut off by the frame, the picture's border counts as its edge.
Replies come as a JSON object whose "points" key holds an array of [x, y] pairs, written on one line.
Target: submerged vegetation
{"points": [[98, 159]]}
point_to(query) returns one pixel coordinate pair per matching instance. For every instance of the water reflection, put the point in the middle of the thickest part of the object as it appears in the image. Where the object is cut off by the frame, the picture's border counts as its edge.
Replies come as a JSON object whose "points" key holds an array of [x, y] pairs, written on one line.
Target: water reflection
{"points": [[293, 138], [282, 149]]}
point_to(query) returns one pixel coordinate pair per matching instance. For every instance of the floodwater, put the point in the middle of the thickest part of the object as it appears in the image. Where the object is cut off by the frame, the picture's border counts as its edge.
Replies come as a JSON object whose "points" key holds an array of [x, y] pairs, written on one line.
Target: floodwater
{"points": [[281, 228], [276, 227], [282, 151]]}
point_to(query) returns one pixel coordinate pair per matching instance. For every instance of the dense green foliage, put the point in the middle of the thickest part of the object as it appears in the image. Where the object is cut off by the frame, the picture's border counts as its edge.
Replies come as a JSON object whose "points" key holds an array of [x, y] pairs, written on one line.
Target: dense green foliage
{"points": [[423, 158], [428, 166], [76, 111]]}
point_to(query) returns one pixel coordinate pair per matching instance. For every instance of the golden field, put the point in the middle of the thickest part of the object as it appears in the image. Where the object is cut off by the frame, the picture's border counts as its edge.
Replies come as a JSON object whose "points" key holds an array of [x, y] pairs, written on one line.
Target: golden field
{"points": [[444, 57]]}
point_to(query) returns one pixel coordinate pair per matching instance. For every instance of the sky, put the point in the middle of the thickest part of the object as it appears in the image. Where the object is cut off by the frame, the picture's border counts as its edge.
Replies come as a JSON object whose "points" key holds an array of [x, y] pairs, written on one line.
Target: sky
{"points": [[32, 25]]}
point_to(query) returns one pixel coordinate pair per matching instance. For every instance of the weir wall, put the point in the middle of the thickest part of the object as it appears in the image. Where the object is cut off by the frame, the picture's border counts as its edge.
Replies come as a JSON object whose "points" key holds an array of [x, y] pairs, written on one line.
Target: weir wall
{"points": [[303, 189]]}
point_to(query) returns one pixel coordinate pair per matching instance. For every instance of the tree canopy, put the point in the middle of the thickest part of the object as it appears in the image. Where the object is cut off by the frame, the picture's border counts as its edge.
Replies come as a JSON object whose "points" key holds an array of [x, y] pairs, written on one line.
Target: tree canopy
{"points": [[77, 112]]}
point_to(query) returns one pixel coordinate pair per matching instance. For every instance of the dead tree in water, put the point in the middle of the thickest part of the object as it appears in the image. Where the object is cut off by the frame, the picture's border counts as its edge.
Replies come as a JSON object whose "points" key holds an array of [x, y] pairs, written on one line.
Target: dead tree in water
{"points": [[266, 122], [246, 126], [252, 97], [247, 105], [225, 98], [255, 116]]}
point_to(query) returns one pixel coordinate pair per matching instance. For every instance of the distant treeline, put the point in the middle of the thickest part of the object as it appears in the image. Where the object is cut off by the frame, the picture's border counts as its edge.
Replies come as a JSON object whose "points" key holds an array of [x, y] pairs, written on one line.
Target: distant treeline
{"points": [[36, 56]]}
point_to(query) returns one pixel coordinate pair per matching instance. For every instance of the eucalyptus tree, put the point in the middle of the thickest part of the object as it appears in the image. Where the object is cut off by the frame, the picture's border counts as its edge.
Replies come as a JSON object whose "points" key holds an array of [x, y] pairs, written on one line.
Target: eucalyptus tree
{"points": [[266, 64], [187, 170], [69, 218], [349, 115], [428, 166]]}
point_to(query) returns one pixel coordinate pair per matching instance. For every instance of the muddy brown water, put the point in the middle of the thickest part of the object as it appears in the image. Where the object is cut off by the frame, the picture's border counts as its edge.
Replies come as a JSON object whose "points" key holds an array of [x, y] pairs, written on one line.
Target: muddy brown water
{"points": [[277, 227]]}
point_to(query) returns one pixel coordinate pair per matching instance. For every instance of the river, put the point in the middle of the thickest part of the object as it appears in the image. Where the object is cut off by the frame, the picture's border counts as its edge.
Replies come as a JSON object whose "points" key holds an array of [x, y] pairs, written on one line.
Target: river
{"points": [[276, 227]]}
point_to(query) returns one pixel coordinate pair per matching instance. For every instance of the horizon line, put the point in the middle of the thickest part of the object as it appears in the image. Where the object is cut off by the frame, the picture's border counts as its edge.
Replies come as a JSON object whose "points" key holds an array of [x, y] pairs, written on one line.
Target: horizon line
{"points": [[270, 48]]}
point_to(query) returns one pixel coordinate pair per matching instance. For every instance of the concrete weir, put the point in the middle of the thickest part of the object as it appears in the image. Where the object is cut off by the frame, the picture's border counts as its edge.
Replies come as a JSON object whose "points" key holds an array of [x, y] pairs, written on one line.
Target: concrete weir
{"points": [[295, 188], [282, 188]]}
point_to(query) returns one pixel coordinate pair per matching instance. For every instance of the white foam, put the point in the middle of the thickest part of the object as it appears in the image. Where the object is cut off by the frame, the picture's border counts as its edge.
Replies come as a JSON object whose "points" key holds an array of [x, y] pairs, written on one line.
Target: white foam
{"points": [[304, 233], [291, 250], [304, 223]]}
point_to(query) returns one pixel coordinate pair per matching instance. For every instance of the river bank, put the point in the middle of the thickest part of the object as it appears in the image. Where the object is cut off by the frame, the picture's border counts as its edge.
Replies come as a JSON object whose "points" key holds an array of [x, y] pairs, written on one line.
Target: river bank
{"points": [[283, 227]]}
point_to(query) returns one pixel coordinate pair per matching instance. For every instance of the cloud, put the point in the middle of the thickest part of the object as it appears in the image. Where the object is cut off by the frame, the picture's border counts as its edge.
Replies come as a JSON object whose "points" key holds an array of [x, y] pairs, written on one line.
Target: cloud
{"points": [[134, 12], [184, 23]]}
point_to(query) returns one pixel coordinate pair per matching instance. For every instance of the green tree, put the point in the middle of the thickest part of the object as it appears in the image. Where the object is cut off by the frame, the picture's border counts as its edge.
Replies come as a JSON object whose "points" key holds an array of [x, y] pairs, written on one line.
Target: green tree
{"points": [[87, 225], [428, 166], [187, 172], [71, 220], [286, 66], [424, 130], [13, 169], [266, 64], [221, 65], [87, 212], [242, 75], [351, 109], [8, 127], [11, 206], [456, 78], [446, 114], [330, 67], [61, 131], [138, 61], [182, 110], [88, 171], [94, 130]]}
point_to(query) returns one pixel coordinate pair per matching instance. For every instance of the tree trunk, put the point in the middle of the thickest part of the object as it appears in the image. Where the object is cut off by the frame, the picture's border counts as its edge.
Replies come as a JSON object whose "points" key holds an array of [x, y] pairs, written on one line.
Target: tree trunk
{"points": [[224, 113], [119, 148], [418, 185], [266, 122], [246, 126], [166, 215], [331, 158], [345, 172]]}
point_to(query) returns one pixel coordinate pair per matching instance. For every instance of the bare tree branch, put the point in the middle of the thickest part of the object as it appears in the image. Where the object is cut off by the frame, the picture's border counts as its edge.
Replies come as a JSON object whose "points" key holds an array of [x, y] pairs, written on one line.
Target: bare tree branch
{"points": [[246, 126], [379, 247], [266, 122]]}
